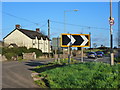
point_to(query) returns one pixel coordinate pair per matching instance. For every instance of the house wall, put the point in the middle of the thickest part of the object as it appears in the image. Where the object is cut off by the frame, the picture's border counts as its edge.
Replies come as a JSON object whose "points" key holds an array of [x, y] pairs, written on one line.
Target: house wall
{"points": [[19, 39], [43, 45]]}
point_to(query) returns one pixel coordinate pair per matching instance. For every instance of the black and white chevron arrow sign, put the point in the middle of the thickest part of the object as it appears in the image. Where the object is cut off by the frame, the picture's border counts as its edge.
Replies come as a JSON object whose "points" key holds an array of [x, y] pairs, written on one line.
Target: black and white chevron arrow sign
{"points": [[75, 40]]}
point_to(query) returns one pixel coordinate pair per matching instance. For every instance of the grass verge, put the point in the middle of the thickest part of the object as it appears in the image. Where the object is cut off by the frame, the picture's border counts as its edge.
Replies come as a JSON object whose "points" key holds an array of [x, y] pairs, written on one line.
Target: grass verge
{"points": [[82, 75]]}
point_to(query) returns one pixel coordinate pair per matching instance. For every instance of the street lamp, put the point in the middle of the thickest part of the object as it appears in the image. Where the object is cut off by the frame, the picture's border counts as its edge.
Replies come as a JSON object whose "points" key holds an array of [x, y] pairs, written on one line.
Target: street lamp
{"points": [[65, 17], [111, 21], [69, 53]]}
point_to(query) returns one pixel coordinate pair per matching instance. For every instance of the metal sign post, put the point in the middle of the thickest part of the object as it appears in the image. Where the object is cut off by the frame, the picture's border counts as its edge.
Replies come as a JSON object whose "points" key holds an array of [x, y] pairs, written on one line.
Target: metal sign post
{"points": [[69, 52], [111, 21], [81, 54]]}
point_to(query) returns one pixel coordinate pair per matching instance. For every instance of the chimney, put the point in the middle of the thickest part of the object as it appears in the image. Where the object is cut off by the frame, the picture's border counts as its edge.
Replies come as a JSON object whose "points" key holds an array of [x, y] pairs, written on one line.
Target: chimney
{"points": [[17, 26], [37, 30]]}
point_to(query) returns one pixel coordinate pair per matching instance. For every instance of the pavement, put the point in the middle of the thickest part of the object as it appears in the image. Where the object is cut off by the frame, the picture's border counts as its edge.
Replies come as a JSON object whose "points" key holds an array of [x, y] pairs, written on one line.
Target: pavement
{"points": [[17, 74]]}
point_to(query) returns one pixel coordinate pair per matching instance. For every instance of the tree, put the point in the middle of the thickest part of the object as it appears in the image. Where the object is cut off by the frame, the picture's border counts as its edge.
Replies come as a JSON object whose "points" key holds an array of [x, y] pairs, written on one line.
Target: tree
{"points": [[94, 45]]}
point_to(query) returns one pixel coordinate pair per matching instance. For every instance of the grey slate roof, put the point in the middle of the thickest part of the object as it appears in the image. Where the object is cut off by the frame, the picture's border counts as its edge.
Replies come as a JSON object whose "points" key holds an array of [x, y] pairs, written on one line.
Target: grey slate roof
{"points": [[31, 34]]}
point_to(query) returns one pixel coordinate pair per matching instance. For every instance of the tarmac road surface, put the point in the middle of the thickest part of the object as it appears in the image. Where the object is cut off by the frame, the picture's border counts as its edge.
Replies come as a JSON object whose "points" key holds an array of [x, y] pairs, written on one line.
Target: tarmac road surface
{"points": [[103, 59], [18, 74]]}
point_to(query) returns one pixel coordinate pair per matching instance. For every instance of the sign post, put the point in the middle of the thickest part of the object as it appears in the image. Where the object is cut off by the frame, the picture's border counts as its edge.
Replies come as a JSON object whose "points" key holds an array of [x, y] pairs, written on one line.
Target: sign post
{"points": [[81, 54], [75, 40], [69, 51], [111, 22]]}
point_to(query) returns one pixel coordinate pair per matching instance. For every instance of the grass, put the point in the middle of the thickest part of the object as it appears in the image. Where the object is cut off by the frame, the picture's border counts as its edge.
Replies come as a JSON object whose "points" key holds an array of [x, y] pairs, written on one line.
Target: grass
{"points": [[117, 59], [41, 83], [94, 50], [82, 75]]}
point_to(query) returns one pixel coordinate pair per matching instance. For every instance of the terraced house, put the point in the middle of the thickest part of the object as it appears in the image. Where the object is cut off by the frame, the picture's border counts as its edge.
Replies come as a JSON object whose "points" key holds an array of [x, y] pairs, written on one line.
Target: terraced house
{"points": [[28, 38]]}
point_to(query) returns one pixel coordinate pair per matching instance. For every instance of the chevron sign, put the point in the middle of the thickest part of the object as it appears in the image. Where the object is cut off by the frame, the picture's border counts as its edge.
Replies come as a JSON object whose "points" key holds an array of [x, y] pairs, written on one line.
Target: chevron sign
{"points": [[75, 40]]}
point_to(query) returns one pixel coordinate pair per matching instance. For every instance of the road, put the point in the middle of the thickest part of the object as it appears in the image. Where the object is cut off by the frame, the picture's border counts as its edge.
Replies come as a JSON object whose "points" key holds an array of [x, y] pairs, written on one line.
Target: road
{"points": [[18, 74], [104, 59]]}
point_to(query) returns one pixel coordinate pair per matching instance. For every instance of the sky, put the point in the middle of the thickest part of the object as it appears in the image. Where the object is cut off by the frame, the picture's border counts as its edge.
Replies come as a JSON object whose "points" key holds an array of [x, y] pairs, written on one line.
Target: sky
{"points": [[91, 17]]}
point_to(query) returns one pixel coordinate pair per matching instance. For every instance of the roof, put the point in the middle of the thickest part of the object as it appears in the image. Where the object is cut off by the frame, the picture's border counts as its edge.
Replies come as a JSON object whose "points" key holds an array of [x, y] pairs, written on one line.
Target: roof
{"points": [[31, 34]]}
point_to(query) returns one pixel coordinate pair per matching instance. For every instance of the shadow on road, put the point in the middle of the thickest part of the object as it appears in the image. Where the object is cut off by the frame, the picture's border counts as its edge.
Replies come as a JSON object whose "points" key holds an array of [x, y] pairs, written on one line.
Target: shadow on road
{"points": [[33, 63], [44, 68]]}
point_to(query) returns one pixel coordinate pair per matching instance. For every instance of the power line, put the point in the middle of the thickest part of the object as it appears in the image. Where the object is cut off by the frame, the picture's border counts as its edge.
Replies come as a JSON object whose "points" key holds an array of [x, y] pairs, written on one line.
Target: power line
{"points": [[25, 20], [19, 17], [89, 27], [37, 25], [44, 25], [24, 26]]}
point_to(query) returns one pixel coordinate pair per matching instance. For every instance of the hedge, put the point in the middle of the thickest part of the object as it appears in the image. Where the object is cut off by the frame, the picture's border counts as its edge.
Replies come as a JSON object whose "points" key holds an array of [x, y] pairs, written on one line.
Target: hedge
{"points": [[9, 52]]}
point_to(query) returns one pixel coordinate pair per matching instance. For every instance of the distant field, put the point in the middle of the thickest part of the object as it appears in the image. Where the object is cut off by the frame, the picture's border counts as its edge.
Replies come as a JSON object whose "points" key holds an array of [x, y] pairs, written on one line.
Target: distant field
{"points": [[82, 75]]}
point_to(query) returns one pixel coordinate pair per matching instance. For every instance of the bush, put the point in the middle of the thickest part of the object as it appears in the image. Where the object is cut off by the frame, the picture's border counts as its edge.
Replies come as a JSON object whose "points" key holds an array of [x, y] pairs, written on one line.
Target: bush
{"points": [[9, 52], [18, 51], [21, 50], [0, 50], [37, 51], [10, 55], [117, 59]]}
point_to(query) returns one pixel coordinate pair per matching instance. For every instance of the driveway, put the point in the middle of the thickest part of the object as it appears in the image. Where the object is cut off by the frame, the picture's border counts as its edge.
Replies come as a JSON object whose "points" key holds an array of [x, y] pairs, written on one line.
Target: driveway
{"points": [[18, 74]]}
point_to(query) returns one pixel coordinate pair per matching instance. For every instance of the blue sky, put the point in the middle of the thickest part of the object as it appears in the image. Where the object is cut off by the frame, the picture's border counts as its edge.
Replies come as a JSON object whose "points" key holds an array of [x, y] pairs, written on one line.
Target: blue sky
{"points": [[91, 14]]}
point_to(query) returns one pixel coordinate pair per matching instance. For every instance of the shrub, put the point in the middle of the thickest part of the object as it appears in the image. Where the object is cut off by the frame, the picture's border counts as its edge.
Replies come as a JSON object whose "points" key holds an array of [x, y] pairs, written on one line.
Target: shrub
{"points": [[37, 51], [117, 59], [22, 50], [0, 50], [9, 52], [9, 55]]}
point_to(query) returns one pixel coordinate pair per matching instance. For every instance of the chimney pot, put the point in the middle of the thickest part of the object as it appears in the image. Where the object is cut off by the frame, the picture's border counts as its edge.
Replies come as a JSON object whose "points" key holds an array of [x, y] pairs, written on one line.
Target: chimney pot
{"points": [[17, 26], [37, 30]]}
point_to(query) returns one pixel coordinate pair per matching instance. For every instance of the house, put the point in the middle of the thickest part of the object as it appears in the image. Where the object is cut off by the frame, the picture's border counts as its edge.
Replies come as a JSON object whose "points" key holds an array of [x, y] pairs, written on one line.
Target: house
{"points": [[28, 38], [1, 43]]}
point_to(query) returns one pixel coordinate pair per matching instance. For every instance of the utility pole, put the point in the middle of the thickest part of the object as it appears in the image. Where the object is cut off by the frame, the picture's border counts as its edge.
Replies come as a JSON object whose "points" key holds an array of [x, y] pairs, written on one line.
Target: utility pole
{"points": [[90, 40], [49, 37], [111, 20], [58, 49]]}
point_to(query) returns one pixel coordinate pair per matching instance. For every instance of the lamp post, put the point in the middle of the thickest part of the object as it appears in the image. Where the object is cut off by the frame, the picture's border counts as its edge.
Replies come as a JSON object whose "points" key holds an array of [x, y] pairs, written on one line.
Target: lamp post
{"points": [[111, 22], [65, 17], [69, 52]]}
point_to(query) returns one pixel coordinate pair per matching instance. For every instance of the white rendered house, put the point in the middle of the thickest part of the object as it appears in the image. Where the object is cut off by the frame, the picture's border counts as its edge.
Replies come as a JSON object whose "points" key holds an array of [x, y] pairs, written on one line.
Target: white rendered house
{"points": [[28, 38]]}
